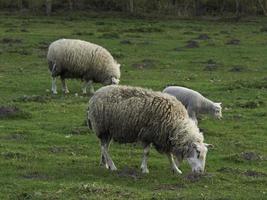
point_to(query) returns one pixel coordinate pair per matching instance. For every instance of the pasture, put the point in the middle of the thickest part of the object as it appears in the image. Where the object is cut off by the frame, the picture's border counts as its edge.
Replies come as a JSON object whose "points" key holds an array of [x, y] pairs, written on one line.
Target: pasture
{"points": [[47, 151]]}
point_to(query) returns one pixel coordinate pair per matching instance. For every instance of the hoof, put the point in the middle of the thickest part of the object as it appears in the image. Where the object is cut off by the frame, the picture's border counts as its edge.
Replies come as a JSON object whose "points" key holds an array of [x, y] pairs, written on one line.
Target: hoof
{"points": [[145, 171]]}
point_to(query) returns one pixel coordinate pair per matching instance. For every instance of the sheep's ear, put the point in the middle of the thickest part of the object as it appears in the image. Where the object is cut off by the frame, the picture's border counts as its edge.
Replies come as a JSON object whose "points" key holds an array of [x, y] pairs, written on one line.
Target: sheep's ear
{"points": [[194, 145], [209, 145], [119, 65]]}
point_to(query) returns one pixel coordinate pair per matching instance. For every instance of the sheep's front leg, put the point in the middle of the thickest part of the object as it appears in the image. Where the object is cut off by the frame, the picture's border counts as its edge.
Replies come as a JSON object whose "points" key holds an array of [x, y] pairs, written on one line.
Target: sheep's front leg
{"points": [[54, 85], [64, 86], [90, 85], [144, 161], [107, 158], [192, 115], [174, 168], [103, 161]]}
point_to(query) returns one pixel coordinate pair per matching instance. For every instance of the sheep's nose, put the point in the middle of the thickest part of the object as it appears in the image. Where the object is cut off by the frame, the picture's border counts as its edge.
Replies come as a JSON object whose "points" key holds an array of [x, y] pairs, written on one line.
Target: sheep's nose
{"points": [[198, 170]]}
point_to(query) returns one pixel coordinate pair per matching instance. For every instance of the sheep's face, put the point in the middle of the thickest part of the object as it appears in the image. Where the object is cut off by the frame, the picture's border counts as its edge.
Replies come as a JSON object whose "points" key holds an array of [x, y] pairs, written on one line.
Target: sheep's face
{"points": [[217, 111], [197, 157], [111, 81]]}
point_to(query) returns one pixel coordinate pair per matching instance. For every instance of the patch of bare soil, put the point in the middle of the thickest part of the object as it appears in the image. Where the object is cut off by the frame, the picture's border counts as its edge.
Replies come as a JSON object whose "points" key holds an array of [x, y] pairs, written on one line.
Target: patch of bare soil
{"points": [[14, 136], [211, 65], [12, 112], [237, 68], [56, 149], [195, 177], [126, 42], [129, 172], [170, 186], [192, 44], [203, 37], [43, 45], [250, 173], [8, 111], [233, 42], [11, 41], [252, 156], [36, 176], [12, 155], [254, 173], [34, 98]]}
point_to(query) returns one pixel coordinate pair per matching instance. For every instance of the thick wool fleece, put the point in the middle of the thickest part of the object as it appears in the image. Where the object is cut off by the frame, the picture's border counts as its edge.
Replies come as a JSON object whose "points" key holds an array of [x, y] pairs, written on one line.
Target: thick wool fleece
{"points": [[194, 102], [130, 114], [81, 59]]}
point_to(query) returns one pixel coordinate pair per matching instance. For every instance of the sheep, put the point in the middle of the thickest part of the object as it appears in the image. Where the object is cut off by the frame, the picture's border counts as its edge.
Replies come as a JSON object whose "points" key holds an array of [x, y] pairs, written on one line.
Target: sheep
{"points": [[132, 114], [70, 58], [194, 102]]}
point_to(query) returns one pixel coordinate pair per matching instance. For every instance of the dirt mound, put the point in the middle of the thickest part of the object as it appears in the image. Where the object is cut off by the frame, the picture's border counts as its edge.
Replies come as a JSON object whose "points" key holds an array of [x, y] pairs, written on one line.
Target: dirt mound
{"points": [[192, 44], [169, 186], [11, 41], [12, 112], [194, 177], [250, 156], [36, 176], [203, 37], [237, 68], [233, 42], [126, 42], [34, 98], [130, 173], [250, 173]]}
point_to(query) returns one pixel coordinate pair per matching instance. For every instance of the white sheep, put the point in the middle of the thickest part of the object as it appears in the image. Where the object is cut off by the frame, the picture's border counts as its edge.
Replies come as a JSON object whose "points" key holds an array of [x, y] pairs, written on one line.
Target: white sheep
{"points": [[69, 58], [194, 102], [131, 114]]}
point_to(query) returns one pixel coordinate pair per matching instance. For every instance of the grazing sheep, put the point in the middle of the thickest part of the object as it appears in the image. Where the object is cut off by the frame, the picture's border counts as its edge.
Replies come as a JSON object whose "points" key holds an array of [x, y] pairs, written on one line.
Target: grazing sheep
{"points": [[131, 114], [83, 60], [194, 102]]}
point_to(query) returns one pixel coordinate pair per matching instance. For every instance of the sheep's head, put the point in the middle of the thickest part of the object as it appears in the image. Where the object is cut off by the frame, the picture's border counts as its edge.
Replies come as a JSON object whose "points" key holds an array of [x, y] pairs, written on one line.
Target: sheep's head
{"points": [[217, 109], [111, 81], [197, 156]]}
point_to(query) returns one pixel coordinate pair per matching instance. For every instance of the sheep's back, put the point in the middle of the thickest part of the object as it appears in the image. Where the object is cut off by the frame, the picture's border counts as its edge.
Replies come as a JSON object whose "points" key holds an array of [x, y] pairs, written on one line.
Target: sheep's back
{"points": [[130, 114], [79, 55]]}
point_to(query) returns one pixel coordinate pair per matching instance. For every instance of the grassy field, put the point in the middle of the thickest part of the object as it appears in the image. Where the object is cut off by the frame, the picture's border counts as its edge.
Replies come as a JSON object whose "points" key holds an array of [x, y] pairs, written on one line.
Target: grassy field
{"points": [[46, 150]]}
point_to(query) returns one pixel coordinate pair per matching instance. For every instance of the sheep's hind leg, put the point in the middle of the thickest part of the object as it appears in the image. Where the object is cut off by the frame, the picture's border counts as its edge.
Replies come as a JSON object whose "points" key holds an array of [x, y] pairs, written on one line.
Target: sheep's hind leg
{"points": [[107, 158], [175, 169], [90, 85], [54, 85], [145, 157], [64, 86]]}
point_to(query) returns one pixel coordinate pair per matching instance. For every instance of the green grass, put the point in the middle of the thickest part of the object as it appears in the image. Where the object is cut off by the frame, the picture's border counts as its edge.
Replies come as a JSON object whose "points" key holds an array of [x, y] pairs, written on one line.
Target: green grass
{"points": [[46, 151]]}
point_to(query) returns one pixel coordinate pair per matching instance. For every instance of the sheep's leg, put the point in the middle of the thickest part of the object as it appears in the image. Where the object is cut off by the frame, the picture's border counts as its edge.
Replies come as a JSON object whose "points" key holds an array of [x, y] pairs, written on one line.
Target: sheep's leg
{"points": [[192, 115], [64, 86], [108, 160], [144, 161], [90, 85], [103, 161], [54, 85], [177, 161], [175, 169]]}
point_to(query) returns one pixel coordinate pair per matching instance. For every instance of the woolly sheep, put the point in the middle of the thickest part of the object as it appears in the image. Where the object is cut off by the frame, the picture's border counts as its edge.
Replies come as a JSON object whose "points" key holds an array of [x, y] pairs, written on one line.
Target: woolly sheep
{"points": [[131, 114], [69, 58], [194, 102]]}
